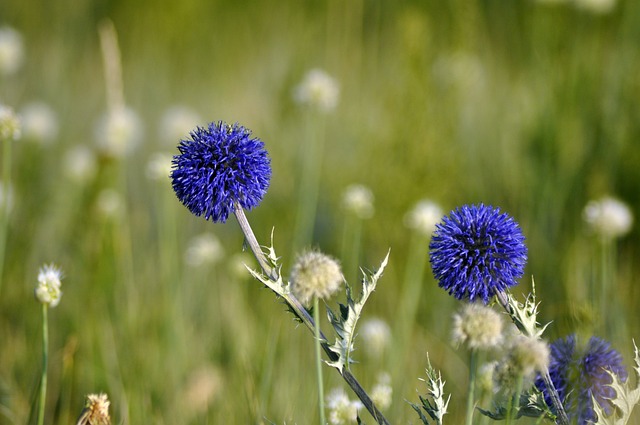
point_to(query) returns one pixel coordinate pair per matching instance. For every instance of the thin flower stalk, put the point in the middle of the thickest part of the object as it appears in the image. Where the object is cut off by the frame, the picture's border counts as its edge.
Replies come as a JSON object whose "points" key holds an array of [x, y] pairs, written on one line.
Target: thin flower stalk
{"points": [[316, 317], [471, 390], [45, 362]]}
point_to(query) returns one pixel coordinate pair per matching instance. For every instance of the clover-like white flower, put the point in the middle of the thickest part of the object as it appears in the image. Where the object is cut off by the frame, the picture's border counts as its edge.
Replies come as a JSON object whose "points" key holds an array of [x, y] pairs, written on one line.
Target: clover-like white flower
{"points": [[11, 51], [315, 274], [318, 89], [49, 283], [478, 326], [358, 200], [608, 217]]}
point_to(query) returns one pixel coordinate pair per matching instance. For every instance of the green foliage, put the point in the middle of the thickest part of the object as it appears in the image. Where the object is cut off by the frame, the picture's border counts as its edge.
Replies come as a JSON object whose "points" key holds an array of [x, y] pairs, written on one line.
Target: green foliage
{"points": [[345, 323], [434, 403]]}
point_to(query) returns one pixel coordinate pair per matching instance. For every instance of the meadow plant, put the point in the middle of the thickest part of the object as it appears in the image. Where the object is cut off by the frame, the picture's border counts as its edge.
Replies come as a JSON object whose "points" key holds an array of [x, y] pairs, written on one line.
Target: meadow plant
{"points": [[11, 51], [39, 123], [10, 131], [318, 93], [95, 411], [358, 204], [48, 293], [222, 169]]}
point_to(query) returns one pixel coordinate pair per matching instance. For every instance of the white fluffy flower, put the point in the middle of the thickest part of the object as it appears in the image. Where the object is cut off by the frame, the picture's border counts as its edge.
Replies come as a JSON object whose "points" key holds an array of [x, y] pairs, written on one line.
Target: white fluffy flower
{"points": [[11, 51], [118, 132], [204, 249], [49, 284], [80, 164], [315, 274], [10, 125], [358, 199], [596, 6], [608, 217], [318, 89], [177, 122], [478, 326], [39, 123], [376, 335], [159, 166], [424, 217], [342, 411], [110, 203]]}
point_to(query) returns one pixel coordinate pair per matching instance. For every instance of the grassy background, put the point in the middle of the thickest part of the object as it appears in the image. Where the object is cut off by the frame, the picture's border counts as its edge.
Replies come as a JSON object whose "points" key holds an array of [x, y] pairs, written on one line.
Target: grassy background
{"points": [[527, 106]]}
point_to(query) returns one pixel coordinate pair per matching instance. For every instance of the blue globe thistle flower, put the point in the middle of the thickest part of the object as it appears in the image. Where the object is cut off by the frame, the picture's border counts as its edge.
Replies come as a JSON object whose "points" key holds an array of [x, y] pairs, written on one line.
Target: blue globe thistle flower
{"points": [[579, 375], [219, 166], [476, 252]]}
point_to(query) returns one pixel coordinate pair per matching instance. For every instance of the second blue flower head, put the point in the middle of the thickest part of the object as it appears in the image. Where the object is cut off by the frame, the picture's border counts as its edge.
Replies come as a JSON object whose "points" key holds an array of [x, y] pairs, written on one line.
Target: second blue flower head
{"points": [[477, 251]]}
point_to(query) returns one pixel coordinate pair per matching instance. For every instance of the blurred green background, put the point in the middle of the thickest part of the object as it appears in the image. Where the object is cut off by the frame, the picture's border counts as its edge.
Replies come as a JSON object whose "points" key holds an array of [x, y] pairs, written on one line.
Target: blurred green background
{"points": [[530, 106]]}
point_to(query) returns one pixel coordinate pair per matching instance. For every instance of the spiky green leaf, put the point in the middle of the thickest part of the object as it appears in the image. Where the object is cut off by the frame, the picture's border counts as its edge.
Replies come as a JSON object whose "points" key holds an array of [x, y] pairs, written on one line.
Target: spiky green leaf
{"points": [[345, 322]]}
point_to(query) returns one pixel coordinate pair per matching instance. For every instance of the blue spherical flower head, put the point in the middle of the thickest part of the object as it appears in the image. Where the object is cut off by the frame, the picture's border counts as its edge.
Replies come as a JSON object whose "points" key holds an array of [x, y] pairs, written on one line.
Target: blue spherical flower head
{"points": [[477, 251], [580, 375], [219, 166]]}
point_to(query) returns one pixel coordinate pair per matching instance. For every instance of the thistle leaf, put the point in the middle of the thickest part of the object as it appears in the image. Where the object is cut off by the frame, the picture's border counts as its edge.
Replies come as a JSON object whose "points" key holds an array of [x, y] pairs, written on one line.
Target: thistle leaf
{"points": [[625, 400], [532, 405], [434, 403], [275, 282], [525, 316], [345, 322]]}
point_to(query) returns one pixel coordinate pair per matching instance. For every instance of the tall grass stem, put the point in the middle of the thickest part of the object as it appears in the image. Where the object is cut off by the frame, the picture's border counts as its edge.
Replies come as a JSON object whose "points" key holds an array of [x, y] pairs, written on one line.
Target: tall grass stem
{"points": [[472, 384], [316, 318], [45, 362], [4, 206]]}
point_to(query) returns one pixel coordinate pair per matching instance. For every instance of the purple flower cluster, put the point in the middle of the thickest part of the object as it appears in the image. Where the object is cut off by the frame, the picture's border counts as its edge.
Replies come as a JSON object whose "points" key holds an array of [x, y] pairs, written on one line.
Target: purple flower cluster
{"points": [[580, 374], [477, 251], [219, 166]]}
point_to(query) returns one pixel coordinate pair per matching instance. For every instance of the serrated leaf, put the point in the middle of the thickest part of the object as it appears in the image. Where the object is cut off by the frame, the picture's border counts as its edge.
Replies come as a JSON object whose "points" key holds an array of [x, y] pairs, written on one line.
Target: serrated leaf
{"points": [[345, 323], [525, 316], [626, 397], [434, 403], [532, 405]]}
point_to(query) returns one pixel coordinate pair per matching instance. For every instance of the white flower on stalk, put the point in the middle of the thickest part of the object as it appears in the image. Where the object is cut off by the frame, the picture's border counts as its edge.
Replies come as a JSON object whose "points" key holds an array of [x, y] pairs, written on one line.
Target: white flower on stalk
{"points": [[204, 249], [11, 51], [118, 132], [110, 203], [177, 122], [342, 410], [478, 326], [358, 199], [318, 89], [49, 283], [39, 123], [596, 6], [424, 217], [80, 164], [10, 125], [159, 166], [315, 274], [381, 393], [376, 335], [608, 217]]}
